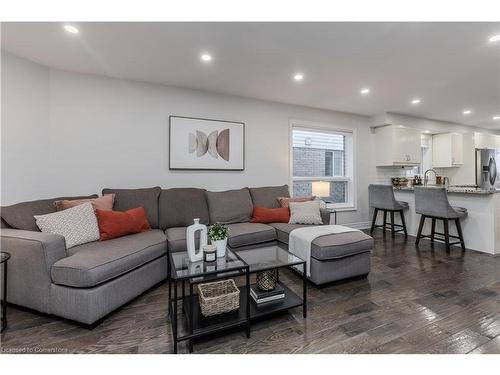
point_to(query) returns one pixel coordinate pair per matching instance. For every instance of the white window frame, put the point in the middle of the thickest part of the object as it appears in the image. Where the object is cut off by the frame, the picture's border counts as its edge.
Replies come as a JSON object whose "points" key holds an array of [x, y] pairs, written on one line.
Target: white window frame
{"points": [[295, 124]]}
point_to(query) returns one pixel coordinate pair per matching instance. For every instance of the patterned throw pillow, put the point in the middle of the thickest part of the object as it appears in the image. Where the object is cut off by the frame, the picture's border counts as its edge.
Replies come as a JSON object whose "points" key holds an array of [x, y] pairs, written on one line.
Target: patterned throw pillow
{"points": [[285, 201], [305, 213], [78, 225]]}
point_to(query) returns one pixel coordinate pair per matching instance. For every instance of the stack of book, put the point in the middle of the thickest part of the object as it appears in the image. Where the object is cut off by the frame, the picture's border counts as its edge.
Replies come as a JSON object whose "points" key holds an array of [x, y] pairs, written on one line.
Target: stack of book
{"points": [[260, 296]]}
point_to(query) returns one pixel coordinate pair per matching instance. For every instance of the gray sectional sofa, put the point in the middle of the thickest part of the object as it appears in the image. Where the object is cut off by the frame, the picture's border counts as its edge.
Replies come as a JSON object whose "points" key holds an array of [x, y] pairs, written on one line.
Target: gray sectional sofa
{"points": [[87, 282]]}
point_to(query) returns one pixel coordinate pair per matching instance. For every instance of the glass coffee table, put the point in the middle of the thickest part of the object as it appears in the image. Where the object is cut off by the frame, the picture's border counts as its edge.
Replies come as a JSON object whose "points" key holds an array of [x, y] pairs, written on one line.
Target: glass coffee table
{"points": [[181, 270], [274, 258], [234, 264]]}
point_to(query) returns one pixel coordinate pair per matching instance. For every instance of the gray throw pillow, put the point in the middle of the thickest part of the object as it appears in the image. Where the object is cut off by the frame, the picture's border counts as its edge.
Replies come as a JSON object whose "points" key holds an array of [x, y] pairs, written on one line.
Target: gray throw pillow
{"points": [[305, 213]]}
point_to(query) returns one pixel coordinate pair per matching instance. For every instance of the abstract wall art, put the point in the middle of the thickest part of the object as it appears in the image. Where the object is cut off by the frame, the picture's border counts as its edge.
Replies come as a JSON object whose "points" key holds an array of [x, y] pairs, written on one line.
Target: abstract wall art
{"points": [[205, 144]]}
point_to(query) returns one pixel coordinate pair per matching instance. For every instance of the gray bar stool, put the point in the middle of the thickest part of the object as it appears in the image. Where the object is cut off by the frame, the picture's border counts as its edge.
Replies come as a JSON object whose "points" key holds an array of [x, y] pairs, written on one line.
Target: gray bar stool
{"points": [[433, 203], [381, 198]]}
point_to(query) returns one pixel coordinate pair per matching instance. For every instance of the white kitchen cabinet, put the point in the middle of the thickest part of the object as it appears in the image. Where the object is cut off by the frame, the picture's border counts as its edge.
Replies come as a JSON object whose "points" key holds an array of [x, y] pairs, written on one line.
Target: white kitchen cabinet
{"points": [[425, 141], [483, 140], [397, 145], [447, 150]]}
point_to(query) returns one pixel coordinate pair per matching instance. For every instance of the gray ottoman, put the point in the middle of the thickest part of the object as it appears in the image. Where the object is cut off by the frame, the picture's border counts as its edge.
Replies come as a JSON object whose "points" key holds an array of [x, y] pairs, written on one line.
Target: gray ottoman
{"points": [[336, 256], [340, 256]]}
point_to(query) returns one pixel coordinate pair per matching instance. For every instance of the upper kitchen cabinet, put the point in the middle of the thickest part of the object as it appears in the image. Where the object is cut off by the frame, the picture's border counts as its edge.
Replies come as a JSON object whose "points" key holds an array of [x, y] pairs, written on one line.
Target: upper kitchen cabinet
{"points": [[397, 145], [447, 150], [483, 140]]}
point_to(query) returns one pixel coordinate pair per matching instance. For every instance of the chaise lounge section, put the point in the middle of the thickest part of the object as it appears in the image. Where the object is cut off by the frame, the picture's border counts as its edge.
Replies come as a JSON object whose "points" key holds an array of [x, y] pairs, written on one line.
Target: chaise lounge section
{"points": [[87, 282]]}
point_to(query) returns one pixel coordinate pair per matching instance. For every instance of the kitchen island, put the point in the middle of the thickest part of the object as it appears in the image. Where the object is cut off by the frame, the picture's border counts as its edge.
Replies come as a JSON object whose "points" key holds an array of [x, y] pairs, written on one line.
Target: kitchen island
{"points": [[481, 228]]}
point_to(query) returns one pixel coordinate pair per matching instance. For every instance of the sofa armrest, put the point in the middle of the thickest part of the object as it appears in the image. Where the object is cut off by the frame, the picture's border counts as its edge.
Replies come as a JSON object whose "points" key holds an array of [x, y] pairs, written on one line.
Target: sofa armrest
{"points": [[51, 247], [325, 216], [32, 256]]}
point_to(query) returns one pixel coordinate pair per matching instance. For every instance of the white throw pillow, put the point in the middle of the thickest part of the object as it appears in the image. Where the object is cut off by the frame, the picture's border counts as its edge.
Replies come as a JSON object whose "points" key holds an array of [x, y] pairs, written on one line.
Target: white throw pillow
{"points": [[305, 213], [78, 225]]}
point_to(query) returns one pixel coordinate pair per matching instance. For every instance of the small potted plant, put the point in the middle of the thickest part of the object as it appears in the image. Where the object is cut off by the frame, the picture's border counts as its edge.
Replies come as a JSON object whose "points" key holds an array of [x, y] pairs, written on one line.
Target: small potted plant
{"points": [[218, 237]]}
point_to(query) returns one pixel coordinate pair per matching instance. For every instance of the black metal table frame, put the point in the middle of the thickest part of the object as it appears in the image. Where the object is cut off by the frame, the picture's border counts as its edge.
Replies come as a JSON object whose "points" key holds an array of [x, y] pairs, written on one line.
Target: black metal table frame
{"points": [[3, 297], [332, 211], [304, 279], [218, 275]]}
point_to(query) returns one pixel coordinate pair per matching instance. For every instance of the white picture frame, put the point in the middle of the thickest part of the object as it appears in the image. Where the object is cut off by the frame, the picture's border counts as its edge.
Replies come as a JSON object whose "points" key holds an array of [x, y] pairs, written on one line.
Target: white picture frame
{"points": [[206, 144]]}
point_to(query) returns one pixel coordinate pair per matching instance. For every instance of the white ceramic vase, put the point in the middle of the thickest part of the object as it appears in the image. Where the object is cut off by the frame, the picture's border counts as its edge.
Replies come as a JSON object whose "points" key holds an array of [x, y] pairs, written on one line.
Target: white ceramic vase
{"points": [[221, 247], [196, 254]]}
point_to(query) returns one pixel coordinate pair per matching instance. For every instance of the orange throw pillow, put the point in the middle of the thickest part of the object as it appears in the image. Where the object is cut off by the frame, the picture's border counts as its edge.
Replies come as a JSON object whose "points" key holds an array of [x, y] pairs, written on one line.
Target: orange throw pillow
{"points": [[113, 224], [103, 203], [270, 215]]}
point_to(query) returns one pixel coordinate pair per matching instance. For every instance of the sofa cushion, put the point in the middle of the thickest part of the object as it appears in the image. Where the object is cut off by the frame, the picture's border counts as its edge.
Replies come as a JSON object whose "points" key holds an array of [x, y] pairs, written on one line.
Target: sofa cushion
{"points": [[96, 262], [244, 234], [3, 224], [125, 199], [240, 234], [179, 206], [21, 215], [267, 196], [231, 206], [283, 230], [331, 246], [176, 239]]}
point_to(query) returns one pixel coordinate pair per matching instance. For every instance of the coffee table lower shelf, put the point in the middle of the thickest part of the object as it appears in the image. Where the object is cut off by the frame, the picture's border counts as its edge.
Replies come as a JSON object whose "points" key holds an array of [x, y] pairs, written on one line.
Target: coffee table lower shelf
{"points": [[202, 326]]}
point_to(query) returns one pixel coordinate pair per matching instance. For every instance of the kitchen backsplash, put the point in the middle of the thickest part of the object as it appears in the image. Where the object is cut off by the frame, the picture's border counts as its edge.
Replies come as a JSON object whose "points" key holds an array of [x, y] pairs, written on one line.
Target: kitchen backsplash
{"points": [[384, 174]]}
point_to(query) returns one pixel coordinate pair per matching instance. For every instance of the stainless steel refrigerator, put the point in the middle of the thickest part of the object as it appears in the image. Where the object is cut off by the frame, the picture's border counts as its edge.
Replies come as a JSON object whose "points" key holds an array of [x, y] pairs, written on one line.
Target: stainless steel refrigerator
{"points": [[488, 169]]}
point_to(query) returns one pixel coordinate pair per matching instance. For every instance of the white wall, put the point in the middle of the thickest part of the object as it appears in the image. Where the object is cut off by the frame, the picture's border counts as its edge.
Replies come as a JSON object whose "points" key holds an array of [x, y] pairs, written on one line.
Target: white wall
{"points": [[106, 132], [25, 129]]}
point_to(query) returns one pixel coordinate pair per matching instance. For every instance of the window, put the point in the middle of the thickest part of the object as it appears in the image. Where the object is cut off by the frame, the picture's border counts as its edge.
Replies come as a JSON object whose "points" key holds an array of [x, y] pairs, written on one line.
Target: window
{"points": [[323, 155]]}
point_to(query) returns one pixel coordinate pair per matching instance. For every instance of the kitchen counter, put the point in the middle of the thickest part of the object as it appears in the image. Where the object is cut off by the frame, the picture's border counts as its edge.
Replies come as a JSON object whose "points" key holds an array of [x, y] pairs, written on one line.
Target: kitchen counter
{"points": [[456, 190], [481, 227]]}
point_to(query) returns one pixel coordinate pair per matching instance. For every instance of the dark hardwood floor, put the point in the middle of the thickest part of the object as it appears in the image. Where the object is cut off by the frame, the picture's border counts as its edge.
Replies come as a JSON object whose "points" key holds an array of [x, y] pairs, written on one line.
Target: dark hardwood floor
{"points": [[413, 301]]}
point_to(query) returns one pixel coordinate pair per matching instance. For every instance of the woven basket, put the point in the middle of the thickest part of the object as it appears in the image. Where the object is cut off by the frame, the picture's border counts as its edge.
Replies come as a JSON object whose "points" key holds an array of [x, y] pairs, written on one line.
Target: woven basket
{"points": [[218, 297]]}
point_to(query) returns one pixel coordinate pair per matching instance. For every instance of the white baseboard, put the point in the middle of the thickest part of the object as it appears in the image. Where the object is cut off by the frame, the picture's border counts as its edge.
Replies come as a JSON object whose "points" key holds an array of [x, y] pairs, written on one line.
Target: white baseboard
{"points": [[360, 225]]}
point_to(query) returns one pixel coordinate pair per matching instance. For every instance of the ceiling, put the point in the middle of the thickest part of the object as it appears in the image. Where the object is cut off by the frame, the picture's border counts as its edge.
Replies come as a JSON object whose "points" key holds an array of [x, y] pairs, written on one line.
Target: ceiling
{"points": [[450, 66]]}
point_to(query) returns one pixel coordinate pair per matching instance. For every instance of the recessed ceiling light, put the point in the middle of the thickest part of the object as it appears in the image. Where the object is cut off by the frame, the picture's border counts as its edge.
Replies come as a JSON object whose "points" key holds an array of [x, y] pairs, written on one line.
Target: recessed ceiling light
{"points": [[298, 77], [365, 91], [496, 117], [416, 101], [427, 131], [494, 38], [206, 57], [71, 29], [467, 112]]}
